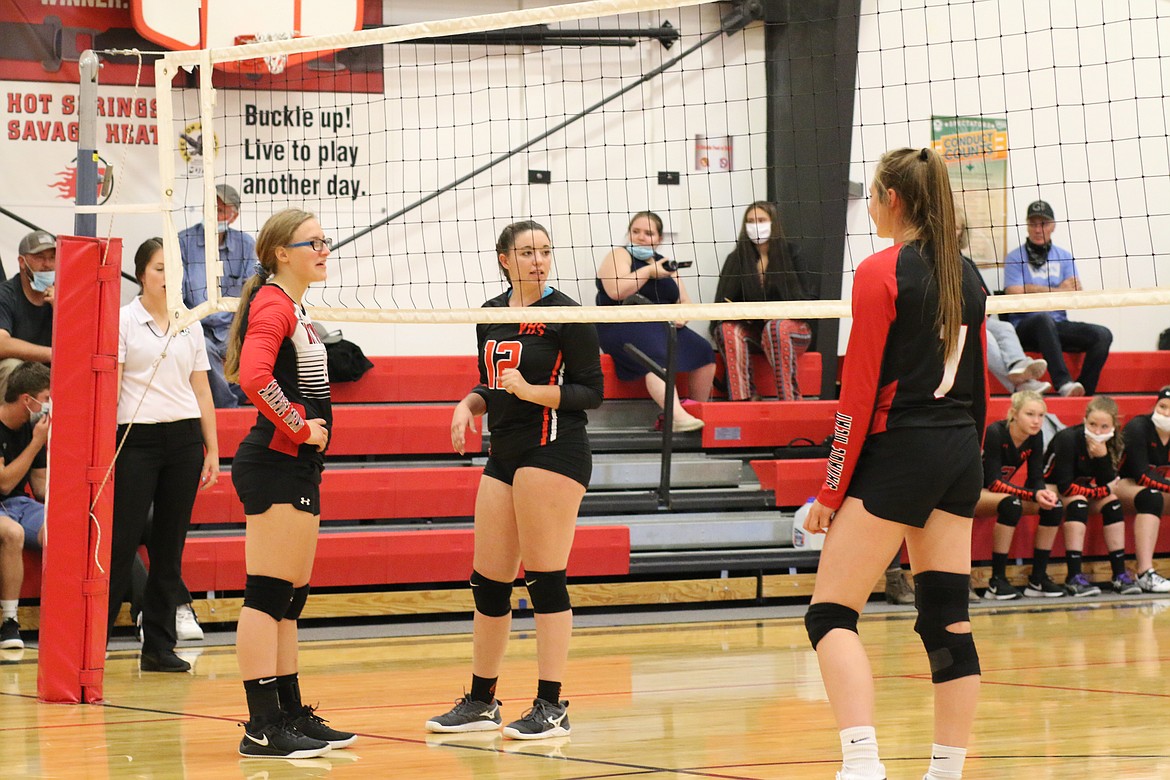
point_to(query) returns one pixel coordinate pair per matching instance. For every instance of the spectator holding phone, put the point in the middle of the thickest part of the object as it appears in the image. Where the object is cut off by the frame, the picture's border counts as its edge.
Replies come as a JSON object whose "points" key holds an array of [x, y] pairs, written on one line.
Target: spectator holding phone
{"points": [[638, 269]]}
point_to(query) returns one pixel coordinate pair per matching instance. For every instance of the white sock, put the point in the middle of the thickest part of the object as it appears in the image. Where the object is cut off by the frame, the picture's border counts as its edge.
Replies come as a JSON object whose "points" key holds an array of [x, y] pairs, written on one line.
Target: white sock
{"points": [[8, 608], [946, 763], [859, 754]]}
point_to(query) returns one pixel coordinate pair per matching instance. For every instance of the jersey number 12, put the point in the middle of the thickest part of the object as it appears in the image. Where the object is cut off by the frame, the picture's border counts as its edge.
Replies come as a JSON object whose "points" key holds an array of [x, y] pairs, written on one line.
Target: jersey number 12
{"points": [[498, 355]]}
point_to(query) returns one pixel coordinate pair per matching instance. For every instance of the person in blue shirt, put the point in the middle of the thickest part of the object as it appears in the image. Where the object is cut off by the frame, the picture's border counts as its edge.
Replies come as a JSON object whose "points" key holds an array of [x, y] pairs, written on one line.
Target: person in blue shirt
{"points": [[1039, 266], [237, 253]]}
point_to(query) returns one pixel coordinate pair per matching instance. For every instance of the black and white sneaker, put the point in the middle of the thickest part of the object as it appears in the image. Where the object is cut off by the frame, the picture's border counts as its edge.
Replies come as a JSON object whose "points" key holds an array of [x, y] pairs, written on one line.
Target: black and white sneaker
{"points": [[542, 721], [10, 635], [1044, 589], [313, 726], [277, 740], [467, 715], [999, 589]]}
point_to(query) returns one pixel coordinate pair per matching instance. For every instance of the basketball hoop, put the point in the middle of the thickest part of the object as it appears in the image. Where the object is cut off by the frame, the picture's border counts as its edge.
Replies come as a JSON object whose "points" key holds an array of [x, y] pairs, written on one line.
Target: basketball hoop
{"points": [[274, 63]]}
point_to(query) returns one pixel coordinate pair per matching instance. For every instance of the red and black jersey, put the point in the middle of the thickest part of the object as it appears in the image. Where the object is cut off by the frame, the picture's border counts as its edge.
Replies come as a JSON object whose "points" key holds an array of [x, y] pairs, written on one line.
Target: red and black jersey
{"points": [[561, 353], [284, 371], [1071, 468], [1017, 471], [894, 374], [1146, 459]]}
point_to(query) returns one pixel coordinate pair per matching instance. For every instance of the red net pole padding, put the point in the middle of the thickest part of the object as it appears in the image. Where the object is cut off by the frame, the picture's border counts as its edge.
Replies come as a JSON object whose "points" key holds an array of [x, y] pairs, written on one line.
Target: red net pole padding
{"points": [[75, 582]]}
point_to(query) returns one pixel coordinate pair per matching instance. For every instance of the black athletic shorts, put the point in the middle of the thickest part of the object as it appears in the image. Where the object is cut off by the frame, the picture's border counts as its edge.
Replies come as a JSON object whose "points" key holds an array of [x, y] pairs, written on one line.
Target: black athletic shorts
{"points": [[262, 483], [904, 474], [569, 455]]}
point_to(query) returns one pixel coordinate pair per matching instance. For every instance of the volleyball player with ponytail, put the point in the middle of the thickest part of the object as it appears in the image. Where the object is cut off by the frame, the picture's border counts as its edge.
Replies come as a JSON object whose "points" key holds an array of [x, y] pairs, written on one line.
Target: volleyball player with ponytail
{"points": [[280, 363], [905, 464]]}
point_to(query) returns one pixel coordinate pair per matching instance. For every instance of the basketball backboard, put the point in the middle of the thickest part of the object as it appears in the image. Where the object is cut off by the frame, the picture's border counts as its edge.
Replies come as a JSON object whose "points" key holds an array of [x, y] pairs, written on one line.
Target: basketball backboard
{"points": [[212, 24]]}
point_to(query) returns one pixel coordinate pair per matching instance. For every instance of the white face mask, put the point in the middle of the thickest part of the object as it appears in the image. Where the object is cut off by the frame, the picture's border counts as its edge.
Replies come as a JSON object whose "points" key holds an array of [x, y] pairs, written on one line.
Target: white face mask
{"points": [[1100, 438], [222, 226], [1161, 422], [758, 232]]}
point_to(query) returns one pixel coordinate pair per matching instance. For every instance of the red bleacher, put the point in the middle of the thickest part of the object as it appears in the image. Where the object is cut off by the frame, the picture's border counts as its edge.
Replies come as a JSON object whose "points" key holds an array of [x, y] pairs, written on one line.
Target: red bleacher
{"points": [[367, 429], [403, 407]]}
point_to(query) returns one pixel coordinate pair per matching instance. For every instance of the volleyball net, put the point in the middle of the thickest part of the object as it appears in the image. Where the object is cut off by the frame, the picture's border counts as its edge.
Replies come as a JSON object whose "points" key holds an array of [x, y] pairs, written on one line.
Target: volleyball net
{"points": [[416, 144]]}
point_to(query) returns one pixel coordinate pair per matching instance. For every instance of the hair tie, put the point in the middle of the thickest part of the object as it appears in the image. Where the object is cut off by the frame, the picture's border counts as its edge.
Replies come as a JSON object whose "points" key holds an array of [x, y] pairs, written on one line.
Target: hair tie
{"points": [[924, 154], [1164, 393]]}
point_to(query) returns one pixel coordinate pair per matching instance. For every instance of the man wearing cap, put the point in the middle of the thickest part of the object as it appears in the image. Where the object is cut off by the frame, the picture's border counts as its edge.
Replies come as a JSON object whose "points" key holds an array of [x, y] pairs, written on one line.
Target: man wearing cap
{"points": [[1039, 266], [26, 305], [237, 254]]}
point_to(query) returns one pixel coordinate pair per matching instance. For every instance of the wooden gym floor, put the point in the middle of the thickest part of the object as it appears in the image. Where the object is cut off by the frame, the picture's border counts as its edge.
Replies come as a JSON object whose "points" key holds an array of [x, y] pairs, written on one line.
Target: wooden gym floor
{"points": [[1070, 690]]}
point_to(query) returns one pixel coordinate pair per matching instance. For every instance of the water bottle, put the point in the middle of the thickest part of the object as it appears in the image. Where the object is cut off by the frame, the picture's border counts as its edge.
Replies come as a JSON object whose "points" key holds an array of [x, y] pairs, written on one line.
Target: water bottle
{"points": [[802, 539]]}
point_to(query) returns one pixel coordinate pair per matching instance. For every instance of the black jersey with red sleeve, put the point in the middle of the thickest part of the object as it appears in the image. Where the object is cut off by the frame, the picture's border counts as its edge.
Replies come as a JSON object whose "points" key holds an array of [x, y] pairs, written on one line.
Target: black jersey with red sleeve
{"points": [[1004, 462], [284, 372], [555, 353], [894, 374], [1071, 468], [1147, 459]]}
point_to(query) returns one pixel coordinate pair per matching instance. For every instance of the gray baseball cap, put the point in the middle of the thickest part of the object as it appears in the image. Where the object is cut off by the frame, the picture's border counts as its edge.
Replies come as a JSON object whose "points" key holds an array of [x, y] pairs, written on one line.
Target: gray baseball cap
{"points": [[36, 242], [227, 193], [1040, 208]]}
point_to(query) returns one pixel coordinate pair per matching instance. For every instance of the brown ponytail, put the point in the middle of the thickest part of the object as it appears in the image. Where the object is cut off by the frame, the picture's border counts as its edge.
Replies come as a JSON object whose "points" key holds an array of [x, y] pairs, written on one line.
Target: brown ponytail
{"points": [[920, 178], [277, 232]]}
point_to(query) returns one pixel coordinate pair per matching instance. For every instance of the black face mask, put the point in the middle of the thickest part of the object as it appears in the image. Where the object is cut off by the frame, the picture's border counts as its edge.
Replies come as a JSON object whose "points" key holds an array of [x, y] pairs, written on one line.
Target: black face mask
{"points": [[1037, 253]]}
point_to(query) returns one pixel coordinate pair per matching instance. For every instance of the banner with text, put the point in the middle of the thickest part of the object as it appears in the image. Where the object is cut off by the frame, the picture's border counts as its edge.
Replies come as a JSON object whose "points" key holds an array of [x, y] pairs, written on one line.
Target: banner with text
{"points": [[976, 150]]}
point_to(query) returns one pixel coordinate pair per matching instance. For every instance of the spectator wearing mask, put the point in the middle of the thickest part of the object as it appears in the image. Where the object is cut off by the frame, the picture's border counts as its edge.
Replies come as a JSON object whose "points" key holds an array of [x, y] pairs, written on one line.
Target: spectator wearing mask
{"points": [[1039, 266]]}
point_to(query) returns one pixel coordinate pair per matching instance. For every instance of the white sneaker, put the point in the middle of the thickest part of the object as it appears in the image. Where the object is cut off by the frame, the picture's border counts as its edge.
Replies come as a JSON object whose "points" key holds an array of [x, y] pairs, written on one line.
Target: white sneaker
{"points": [[186, 626], [1152, 582], [1072, 390], [1037, 368], [1035, 386], [1018, 371]]}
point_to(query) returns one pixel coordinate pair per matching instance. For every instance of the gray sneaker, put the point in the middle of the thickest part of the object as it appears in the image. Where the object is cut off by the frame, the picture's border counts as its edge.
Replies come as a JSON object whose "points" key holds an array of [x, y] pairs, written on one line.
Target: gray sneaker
{"points": [[898, 590], [467, 715], [1125, 585], [543, 720], [1152, 582], [1079, 586]]}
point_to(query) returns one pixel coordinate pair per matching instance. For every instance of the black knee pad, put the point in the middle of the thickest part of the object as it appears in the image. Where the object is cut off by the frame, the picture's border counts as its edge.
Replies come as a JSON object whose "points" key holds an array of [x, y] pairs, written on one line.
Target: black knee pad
{"points": [[269, 595], [1076, 512], [1149, 502], [941, 599], [548, 591], [1050, 518], [300, 596], [1009, 512], [1111, 513], [492, 598], [825, 616]]}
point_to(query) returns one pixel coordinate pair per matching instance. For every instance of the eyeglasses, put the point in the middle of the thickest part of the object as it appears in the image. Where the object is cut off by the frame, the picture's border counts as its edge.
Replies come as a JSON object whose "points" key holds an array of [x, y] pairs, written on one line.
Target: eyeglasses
{"points": [[318, 244]]}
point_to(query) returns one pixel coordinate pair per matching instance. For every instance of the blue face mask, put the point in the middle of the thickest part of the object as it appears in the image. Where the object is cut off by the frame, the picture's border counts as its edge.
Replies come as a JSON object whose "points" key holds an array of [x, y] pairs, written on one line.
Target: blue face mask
{"points": [[42, 280], [639, 252], [221, 226], [46, 408]]}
